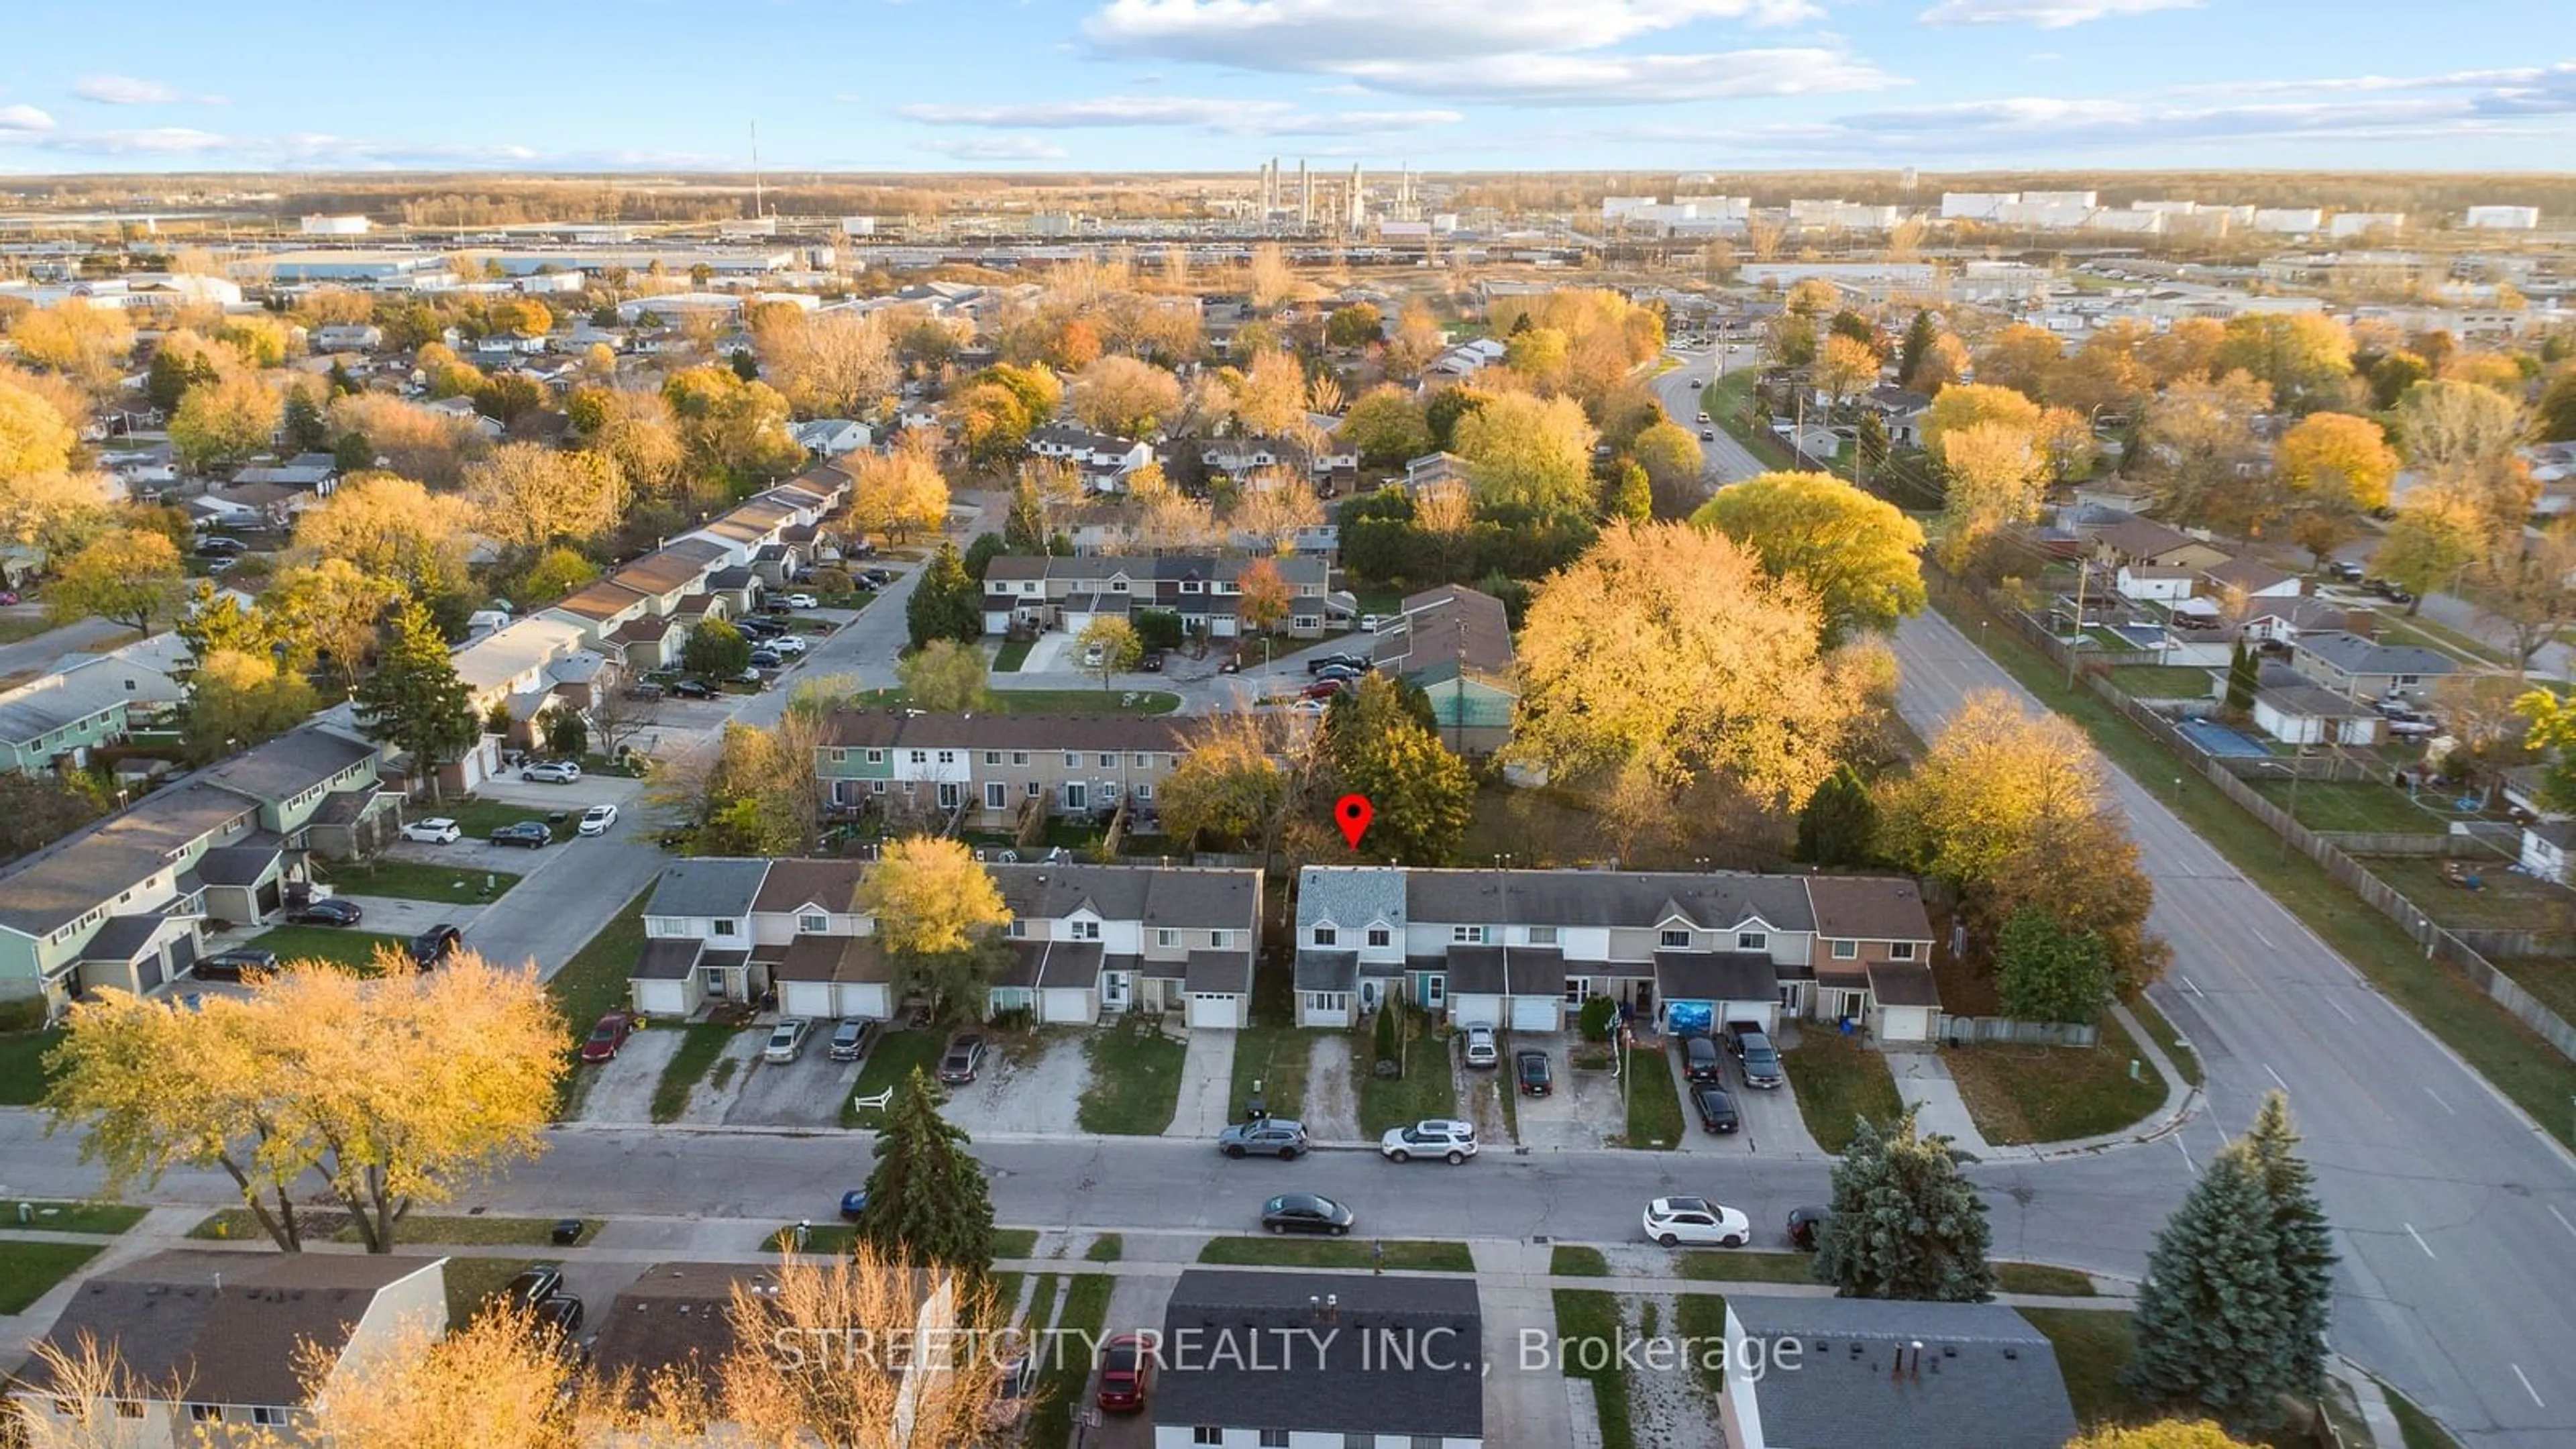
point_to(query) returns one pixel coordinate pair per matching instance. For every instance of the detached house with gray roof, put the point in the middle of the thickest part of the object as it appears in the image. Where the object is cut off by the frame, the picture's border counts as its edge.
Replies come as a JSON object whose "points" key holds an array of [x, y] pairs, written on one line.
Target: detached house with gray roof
{"points": [[1086, 941], [2365, 669], [1857, 1373], [1522, 949]]}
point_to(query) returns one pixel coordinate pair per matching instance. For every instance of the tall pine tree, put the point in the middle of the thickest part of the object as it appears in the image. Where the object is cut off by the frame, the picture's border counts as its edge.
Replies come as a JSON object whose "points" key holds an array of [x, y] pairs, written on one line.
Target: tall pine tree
{"points": [[1918, 345], [1905, 1223], [927, 1199], [2216, 1318], [1839, 825], [2306, 1248], [945, 604], [2244, 674], [414, 701]]}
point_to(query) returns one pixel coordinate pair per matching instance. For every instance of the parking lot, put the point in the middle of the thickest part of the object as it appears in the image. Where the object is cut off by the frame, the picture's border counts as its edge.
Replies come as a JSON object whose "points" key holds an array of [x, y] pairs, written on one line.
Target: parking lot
{"points": [[1581, 1110], [1029, 1084], [806, 1092], [1771, 1119]]}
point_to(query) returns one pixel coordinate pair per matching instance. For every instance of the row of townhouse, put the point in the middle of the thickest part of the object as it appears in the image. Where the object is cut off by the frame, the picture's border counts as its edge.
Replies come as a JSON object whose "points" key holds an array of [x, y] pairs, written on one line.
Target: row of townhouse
{"points": [[1206, 592], [1104, 461], [640, 614], [123, 903], [1086, 941], [88, 700], [988, 771], [1524, 949]]}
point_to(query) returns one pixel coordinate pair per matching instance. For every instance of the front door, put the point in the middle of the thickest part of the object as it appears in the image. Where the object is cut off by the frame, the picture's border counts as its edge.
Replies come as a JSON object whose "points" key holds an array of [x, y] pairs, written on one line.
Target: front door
{"points": [[1113, 991], [947, 794], [715, 984]]}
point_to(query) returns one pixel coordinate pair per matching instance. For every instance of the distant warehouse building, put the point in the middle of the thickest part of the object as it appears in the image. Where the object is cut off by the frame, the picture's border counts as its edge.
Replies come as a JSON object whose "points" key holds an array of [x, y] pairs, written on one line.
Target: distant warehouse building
{"points": [[2503, 218]]}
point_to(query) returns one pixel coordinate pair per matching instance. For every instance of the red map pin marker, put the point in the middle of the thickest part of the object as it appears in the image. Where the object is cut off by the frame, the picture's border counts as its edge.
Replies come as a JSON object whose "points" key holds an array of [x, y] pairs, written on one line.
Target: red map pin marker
{"points": [[1353, 813]]}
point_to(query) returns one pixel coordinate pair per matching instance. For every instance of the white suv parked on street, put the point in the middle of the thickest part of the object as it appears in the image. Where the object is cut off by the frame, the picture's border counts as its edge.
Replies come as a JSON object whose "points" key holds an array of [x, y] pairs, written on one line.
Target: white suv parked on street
{"points": [[1444, 1138]]}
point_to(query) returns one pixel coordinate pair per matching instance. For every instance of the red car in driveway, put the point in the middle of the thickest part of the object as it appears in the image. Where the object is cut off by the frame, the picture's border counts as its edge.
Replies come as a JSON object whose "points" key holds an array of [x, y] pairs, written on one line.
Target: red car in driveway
{"points": [[605, 1038], [1321, 689], [1126, 1373]]}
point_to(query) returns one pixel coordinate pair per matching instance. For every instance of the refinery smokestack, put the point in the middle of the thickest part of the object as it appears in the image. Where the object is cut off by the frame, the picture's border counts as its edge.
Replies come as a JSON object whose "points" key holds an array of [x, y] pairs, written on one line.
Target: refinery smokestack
{"points": [[1305, 196]]}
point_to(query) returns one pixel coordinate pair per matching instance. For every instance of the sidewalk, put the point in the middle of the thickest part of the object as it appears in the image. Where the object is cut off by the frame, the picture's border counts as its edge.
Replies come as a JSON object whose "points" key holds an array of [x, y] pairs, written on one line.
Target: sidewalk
{"points": [[1923, 1081], [2180, 1098], [1207, 1080]]}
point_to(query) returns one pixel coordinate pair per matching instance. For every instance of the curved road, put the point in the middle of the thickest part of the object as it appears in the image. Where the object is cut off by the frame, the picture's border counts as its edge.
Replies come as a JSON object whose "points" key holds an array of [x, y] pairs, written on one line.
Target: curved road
{"points": [[1727, 460]]}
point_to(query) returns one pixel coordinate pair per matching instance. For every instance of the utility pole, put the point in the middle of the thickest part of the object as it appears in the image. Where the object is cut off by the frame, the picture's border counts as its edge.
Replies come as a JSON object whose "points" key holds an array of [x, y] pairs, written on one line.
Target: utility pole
{"points": [[756, 207], [2083, 575], [1458, 689]]}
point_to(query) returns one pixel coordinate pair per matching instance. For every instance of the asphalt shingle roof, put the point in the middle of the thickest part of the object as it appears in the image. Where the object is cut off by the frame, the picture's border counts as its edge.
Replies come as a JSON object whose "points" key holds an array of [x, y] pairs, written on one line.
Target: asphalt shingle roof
{"points": [[712, 886], [1986, 1378], [1345, 1382]]}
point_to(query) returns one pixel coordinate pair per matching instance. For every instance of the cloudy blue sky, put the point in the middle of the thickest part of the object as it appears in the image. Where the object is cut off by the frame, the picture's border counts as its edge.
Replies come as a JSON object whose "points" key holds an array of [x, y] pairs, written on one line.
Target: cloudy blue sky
{"points": [[150, 85]]}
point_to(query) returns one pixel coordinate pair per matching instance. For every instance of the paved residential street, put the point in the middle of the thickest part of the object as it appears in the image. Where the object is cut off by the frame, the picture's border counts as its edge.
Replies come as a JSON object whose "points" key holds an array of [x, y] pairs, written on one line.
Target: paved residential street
{"points": [[2454, 1213], [1728, 461]]}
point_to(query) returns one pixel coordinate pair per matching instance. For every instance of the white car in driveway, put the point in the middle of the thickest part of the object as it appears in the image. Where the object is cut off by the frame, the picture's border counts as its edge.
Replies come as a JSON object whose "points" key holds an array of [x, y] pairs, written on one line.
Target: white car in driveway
{"points": [[1674, 1221], [552, 772], [802, 601], [1445, 1138], [436, 830], [1481, 1051], [786, 646], [597, 819], [786, 1040]]}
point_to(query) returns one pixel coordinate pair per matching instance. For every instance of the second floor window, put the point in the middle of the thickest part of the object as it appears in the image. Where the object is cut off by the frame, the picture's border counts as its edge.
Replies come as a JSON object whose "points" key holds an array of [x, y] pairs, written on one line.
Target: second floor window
{"points": [[1752, 941], [813, 925], [1846, 950], [723, 928], [1379, 936], [1167, 938], [1086, 930], [1674, 939], [1466, 935], [1327, 936]]}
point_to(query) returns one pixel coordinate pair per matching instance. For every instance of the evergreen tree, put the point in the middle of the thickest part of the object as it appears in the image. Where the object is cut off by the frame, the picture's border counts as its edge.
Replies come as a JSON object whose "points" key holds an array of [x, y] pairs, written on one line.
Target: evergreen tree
{"points": [[1840, 824], [353, 453], [946, 604], [306, 431], [981, 553], [927, 1200], [1906, 1224], [2306, 1247], [2046, 972], [2243, 673], [2215, 1319], [1918, 345], [414, 701], [1425, 796], [342, 384], [1631, 493], [716, 650], [745, 366]]}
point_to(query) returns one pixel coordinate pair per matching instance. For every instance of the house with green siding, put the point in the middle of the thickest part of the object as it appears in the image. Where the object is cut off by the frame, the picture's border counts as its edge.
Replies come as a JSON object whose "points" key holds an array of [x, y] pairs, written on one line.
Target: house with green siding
{"points": [[85, 702], [1456, 643]]}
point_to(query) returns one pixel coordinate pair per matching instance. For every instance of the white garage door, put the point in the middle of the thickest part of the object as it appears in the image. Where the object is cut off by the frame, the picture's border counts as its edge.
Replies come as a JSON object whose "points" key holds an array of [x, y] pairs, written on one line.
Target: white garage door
{"points": [[805, 998], [1537, 1013], [1211, 1009], [1476, 1010], [1766, 1013]]}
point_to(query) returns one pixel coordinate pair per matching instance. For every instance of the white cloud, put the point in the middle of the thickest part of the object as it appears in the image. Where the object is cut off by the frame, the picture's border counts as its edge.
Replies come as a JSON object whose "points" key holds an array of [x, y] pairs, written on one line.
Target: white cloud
{"points": [[997, 148], [1218, 115], [2046, 14], [24, 118], [2559, 76], [125, 90], [151, 141], [1627, 80], [1335, 35]]}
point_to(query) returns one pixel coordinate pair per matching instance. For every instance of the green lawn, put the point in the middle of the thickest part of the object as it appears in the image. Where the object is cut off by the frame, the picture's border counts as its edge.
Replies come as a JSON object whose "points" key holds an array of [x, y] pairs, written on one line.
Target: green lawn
{"points": [[2162, 681], [699, 1048], [2020, 1094], [334, 1225], [28, 1271], [1067, 1362], [2416, 1426], [1107, 1248], [591, 985], [22, 1066], [1587, 1317], [2535, 1075], [418, 881], [1046, 701], [1839, 1081], [2044, 1278], [1135, 1079], [1275, 1057], [834, 1237], [1014, 1242], [1702, 1316], [1573, 1260], [1728, 402], [1743, 1266], [1305, 1252], [1425, 1090], [105, 1219], [2374, 806], [2179, 1052], [472, 1278], [1654, 1103], [2551, 979], [350, 948], [479, 818], [897, 1055], [2504, 900], [2092, 1347], [1012, 654]]}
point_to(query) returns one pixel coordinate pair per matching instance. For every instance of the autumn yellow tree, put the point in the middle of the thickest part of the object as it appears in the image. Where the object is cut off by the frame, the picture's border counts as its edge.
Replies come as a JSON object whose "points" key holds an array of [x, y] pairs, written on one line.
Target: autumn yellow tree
{"points": [[2163, 1434], [34, 437], [1845, 366], [1273, 506], [53, 513], [2462, 438], [2332, 459], [1995, 475], [332, 609], [1859, 555], [88, 344], [223, 422], [900, 493], [1269, 395], [1124, 397], [1664, 658], [2023, 358], [525, 496], [392, 528], [938, 917], [838, 364], [416, 442], [393, 1092], [128, 576], [1530, 453]]}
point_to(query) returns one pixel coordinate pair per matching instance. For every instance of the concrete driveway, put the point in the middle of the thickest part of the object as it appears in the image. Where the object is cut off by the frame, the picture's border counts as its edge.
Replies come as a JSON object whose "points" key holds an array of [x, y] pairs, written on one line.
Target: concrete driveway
{"points": [[1332, 1107], [623, 1088], [806, 1092], [1028, 1085], [1581, 1110]]}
